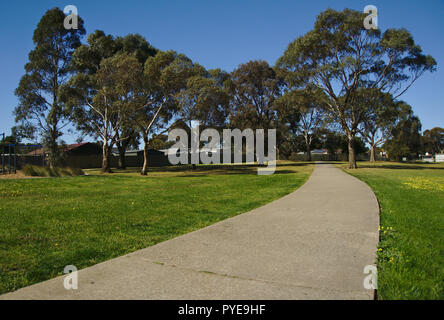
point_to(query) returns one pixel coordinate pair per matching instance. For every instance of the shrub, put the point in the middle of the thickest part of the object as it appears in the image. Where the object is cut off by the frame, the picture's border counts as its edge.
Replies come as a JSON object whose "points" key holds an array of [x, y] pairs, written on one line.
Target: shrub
{"points": [[38, 171], [48, 172], [76, 171], [29, 170]]}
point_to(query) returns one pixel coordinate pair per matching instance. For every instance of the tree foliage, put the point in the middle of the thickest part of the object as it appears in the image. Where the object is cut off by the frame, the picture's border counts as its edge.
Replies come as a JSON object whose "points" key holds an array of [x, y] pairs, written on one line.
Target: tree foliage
{"points": [[406, 139], [340, 58], [102, 96], [255, 87], [165, 77], [433, 140], [121, 90], [302, 113], [49, 67]]}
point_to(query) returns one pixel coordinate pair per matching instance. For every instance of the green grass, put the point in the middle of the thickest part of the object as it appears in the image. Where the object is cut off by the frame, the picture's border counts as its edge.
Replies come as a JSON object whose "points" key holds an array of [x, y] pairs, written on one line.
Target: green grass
{"points": [[411, 249], [46, 224]]}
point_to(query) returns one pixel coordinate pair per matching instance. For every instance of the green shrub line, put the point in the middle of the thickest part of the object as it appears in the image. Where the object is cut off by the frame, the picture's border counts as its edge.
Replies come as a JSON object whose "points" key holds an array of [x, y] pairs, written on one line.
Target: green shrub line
{"points": [[39, 171]]}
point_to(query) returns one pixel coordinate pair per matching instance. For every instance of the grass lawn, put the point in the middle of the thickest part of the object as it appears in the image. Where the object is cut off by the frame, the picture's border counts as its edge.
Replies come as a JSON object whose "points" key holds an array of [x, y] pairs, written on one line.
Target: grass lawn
{"points": [[48, 223], [411, 250]]}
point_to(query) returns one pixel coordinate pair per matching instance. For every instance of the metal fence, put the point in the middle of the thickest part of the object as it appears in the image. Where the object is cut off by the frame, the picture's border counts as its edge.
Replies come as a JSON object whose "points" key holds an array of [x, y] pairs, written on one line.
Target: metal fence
{"points": [[14, 157], [95, 161]]}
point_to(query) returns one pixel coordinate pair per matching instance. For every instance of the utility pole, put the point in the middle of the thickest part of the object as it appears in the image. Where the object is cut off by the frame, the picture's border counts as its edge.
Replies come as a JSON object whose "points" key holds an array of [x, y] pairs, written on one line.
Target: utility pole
{"points": [[3, 153]]}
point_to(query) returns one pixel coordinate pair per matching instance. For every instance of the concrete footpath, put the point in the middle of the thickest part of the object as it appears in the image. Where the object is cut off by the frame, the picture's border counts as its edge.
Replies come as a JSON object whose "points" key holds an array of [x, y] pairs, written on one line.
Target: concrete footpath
{"points": [[311, 244]]}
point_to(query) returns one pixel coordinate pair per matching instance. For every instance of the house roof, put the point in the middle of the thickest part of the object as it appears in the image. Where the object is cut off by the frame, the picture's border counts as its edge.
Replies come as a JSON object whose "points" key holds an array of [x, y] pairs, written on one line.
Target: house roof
{"points": [[68, 147]]}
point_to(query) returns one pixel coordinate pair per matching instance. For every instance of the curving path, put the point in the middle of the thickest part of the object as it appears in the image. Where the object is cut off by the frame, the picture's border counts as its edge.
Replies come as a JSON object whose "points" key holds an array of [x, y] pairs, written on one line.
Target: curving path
{"points": [[310, 244]]}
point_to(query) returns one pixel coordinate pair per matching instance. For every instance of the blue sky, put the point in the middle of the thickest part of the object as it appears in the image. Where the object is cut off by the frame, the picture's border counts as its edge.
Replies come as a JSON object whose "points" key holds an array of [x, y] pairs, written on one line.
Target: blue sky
{"points": [[222, 34]]}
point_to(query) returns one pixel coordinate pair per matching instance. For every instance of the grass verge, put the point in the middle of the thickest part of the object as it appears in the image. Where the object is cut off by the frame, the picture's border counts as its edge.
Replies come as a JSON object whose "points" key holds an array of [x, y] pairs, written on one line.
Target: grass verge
{"points": [[411, 249]]}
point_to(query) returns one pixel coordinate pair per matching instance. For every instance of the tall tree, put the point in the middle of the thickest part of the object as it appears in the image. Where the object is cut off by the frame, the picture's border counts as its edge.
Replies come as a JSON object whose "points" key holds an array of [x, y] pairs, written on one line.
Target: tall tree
{"points": [[307, 106], [102, 102], [255, 87], [128, 134], [332, 141], [383, 113], [339, 56], [165, 76], [433, 140], [205, 99], [406, 139], [49, 67], [95, 63]]}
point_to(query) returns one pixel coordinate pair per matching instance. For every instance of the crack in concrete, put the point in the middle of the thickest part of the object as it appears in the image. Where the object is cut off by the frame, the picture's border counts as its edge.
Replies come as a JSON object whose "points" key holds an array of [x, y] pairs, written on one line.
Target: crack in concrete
{"points": [[250, 279]]}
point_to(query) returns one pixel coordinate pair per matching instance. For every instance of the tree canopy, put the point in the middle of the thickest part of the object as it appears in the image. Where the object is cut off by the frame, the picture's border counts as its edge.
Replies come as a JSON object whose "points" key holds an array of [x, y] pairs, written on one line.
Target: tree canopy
{"points": [[341, 58], [338, 82], [49, 67]]}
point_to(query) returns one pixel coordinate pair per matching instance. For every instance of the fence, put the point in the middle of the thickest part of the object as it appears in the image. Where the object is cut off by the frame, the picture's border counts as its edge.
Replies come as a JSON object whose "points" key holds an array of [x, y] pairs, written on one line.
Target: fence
{"points": [[14, 157], [95, 161]]}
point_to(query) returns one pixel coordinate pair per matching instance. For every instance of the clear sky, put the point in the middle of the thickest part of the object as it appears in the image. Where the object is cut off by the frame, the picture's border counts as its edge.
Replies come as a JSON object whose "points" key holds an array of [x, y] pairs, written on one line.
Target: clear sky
{"points": [[222, 34]]}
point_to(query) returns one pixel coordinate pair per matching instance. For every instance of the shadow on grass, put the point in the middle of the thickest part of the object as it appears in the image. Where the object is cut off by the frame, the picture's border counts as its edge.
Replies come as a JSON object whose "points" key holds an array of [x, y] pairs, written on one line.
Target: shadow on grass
{"points": [[239, 172], [203, 170], [400, 167]]}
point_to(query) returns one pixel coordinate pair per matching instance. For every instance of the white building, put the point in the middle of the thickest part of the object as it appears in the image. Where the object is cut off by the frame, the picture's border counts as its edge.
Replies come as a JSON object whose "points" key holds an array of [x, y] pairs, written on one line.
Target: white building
{"points": [[439, 157]]}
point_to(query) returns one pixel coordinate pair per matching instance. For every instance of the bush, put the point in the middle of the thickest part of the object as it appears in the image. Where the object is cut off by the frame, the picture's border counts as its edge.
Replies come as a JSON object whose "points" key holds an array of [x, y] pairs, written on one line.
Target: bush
{"points": [[76, 171], [38, 171], [29, 170]]}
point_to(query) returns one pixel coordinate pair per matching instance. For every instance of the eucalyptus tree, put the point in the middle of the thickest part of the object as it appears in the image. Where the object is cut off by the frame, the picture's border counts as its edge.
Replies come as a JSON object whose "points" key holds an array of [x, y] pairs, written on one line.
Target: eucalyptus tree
{"points": [[48, 69], [433, 140], [101, 103], [129, 135], [255, 87], [205, 99], [103, 92], [108, 85], [339, 56], [306, 107], [383, 114], [165, 75], [136, 45], [405, 138]]}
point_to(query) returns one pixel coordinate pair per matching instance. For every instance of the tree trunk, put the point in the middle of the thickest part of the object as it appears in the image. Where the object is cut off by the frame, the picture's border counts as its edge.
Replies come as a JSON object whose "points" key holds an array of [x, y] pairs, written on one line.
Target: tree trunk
{"points": [[372, 153], [308, 151], [122, 150], [351, 153], [105, 158], [144, 171], [52, 147]]}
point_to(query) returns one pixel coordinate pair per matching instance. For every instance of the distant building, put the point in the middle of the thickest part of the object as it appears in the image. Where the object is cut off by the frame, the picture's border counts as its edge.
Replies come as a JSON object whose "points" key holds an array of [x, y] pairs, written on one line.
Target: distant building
{"points": [[316, 151], [439, 157], [427, 158], [77, 149], [138, 153], [205, 150]]}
